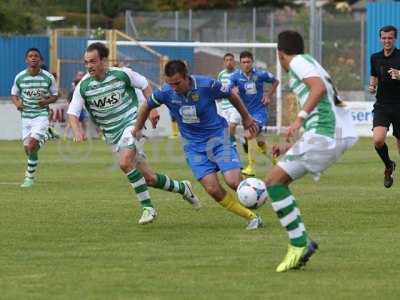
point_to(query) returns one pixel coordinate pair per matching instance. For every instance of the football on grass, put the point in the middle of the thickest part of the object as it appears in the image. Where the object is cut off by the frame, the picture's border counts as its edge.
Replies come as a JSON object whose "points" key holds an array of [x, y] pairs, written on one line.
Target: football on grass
{"points": [[252, 192]]}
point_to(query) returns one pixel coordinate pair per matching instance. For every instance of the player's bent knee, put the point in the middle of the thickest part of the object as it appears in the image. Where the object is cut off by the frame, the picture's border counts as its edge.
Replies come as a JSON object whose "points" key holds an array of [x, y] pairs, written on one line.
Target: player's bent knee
{"points": [[213, 191], [151, 179], [126, 166], [233, 184], [270, 181], [277, 176], [31, 147], [378, 142]]}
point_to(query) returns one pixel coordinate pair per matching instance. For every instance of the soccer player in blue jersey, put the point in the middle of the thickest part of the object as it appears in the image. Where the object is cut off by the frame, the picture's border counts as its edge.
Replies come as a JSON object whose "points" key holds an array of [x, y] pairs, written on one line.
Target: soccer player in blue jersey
{"points": [[250, 82], [207, 146]]}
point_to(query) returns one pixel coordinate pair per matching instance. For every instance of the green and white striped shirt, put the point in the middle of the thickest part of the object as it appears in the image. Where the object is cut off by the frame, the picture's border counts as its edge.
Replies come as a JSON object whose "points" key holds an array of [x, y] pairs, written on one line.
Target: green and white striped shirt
{"points": [[30, 90], [322, 120], [112, 102], [225, 77]]}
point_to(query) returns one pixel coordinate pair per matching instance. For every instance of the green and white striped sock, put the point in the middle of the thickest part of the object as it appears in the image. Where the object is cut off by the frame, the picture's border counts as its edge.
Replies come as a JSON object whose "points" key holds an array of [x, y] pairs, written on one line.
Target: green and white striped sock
{"points": [[284, 204], [167, 184], [138, 183], [300, 218], [44, 138], [33, 160]]}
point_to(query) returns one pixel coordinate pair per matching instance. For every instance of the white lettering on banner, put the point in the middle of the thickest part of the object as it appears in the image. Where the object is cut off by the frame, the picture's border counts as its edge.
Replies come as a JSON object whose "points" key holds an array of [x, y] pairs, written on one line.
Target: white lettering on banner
{"points": [[361, 112], [10, 119], [362, 117]]}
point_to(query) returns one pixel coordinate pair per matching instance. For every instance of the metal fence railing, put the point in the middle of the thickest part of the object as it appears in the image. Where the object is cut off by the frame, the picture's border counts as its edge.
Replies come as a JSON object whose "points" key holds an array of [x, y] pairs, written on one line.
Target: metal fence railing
{"points": [[340, 47]]}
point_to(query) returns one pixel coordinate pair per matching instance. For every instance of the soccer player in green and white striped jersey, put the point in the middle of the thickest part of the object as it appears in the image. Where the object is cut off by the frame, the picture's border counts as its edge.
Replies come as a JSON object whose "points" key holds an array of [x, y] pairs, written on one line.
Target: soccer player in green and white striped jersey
{"points": [[328, 133], [109, 96], [225, 108], [32, 92]]}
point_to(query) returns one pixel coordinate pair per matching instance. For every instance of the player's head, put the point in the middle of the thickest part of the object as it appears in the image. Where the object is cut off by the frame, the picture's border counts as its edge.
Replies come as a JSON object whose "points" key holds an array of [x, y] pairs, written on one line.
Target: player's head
{"points": [[33, 58], [95, 57], [388, 35], [176, 75], [290, 43], [246, 61], [229, 61]]}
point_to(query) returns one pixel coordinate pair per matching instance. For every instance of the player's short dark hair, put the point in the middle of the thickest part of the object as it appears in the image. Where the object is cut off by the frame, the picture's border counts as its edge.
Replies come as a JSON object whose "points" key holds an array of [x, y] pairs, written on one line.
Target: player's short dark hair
{"points": [[35, 50], [101, 49], [245, 54], [290, 42], [229, 55], [175, 66], [388, 28]]}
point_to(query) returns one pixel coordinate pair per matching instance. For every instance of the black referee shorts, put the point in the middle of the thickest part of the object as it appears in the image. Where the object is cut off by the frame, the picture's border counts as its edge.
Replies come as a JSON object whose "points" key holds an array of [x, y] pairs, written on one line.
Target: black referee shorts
{"points": [[386, 114]]}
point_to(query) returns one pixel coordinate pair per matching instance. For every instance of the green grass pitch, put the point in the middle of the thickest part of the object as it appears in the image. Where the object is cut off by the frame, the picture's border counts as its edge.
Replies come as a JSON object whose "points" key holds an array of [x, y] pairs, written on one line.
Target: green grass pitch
{"points": [[74, 235]]}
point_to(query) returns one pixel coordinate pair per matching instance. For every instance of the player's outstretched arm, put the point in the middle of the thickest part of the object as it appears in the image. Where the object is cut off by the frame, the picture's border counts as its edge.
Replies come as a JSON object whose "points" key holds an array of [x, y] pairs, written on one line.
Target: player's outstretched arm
{"points": [[73, 122], [154, 115], [144, 112], [248, 122], [317, 91], [267, 99]]}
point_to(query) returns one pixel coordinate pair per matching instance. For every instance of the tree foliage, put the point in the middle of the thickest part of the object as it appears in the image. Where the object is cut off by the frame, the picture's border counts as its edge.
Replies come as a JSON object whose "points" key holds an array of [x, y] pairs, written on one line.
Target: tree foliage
{"points": [[17, 20]]}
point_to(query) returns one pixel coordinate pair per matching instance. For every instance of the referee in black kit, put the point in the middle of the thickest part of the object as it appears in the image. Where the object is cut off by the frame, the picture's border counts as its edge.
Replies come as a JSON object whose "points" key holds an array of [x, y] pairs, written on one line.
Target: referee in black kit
{"points": [[384, 82]]}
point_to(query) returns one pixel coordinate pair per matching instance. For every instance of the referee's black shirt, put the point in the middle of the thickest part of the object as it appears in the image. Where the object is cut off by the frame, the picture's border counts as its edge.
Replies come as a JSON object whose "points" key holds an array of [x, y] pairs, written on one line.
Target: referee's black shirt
{"points": [[388, 89]]}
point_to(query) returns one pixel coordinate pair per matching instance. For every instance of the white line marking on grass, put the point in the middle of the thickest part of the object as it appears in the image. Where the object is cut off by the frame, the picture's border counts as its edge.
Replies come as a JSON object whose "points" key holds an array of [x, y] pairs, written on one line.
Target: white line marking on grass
{"points": [[9, 183]]}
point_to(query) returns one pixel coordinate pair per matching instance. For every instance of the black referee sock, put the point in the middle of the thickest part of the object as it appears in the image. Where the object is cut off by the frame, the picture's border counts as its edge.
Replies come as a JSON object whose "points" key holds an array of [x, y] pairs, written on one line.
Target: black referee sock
{"points": [[384, 155]]}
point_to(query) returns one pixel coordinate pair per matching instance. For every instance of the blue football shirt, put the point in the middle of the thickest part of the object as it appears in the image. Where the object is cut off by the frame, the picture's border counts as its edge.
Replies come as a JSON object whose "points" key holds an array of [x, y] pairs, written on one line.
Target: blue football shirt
{"points": [[195, 112], [251, 89]]}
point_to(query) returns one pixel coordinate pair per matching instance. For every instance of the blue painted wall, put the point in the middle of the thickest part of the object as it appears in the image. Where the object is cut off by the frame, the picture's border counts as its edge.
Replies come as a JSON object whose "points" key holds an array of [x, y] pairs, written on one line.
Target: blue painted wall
{"points": [[72, 49], [147, 64], [12, 58], [379, 14], [184, 53]]}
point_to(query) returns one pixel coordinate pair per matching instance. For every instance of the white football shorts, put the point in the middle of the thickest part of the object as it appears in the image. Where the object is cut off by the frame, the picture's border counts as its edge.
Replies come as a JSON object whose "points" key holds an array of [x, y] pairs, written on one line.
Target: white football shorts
{"points": [[35, 128], [313, 153]]}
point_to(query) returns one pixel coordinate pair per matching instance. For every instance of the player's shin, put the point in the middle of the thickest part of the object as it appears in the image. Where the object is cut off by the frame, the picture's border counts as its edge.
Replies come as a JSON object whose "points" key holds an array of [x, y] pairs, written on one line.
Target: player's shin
{"points": [[232, 204], [47, 136], [136, 179], [167, 184], [32, 164], [284, 204], [300, 219], [251, 156]]}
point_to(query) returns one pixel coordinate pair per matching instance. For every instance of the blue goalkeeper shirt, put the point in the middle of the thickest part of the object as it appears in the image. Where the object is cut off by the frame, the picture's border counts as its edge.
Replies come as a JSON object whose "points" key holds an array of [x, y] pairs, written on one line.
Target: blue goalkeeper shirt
{"points": [[195, 112]]}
